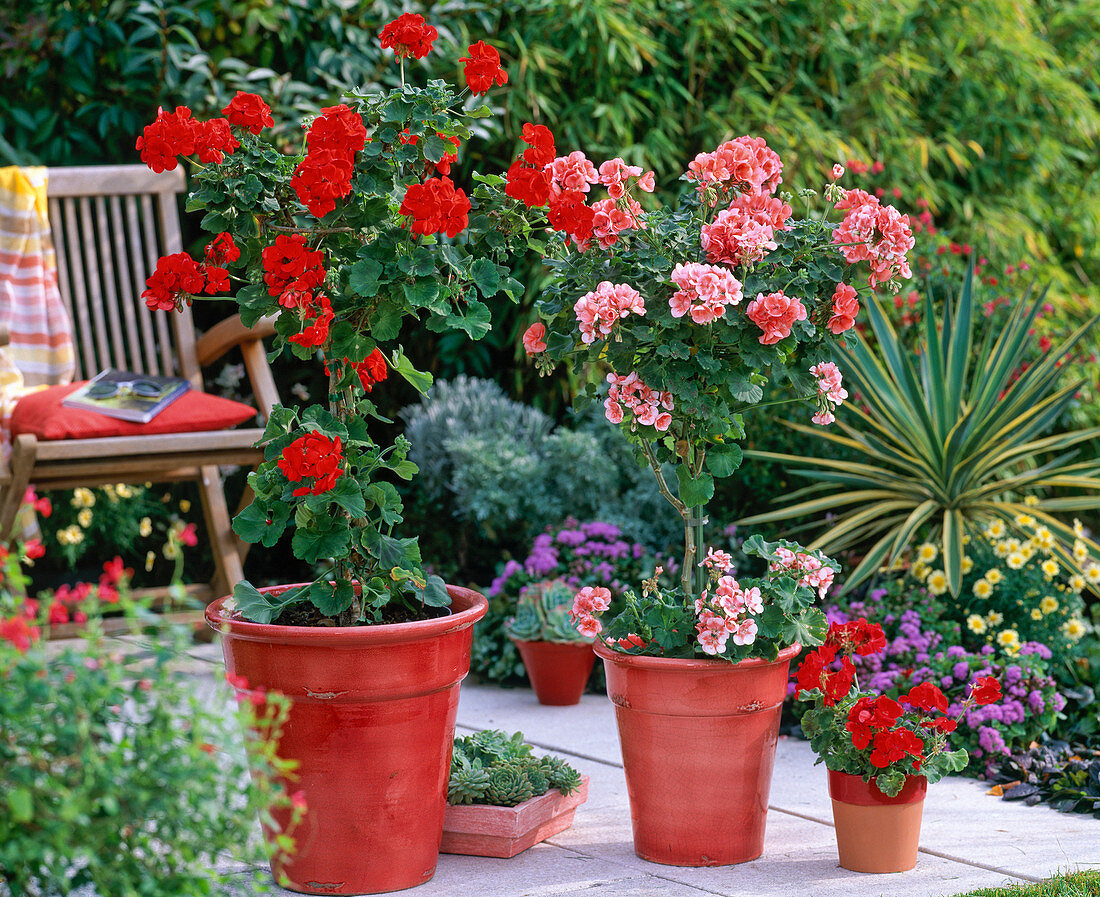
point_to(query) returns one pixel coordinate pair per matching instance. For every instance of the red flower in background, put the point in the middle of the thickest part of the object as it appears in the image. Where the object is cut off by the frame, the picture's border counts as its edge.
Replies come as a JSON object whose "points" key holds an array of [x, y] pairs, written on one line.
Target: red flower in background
{"points": [[292, 269], [371, 370], [248, 111], [34, 549], [312, 456], [857, 635], [408, 35], [482, 68], [926, 696], [540, 143], [531, 186], [176, 279], [985, 690], [436, 206], [19, 632], [316, 334]]}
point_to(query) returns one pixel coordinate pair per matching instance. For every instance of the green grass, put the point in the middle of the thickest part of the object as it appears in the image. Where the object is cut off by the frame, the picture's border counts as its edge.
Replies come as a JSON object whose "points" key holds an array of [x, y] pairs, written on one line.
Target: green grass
{"points": [[1076, 884]]}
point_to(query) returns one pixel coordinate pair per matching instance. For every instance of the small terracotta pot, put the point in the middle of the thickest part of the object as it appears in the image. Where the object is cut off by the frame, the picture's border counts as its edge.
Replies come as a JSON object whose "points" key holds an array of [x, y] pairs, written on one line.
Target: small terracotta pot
{"points": [[698, 739], [558, 670], [371, 727], [874, 832]]}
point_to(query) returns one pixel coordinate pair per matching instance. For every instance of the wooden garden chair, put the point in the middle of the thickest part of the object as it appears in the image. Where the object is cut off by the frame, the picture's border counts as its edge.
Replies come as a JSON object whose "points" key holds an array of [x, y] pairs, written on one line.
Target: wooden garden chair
{"points": [[110, 224]]}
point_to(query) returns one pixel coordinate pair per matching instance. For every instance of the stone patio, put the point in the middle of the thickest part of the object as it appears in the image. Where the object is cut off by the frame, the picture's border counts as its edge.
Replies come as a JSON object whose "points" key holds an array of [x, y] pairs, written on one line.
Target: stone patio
{"points": [[969, 839]]}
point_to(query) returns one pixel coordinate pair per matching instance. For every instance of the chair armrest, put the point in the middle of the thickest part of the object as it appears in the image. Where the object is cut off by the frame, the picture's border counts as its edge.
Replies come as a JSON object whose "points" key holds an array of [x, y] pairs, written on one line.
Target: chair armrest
{"points": [[5, 335], [229, 333]]}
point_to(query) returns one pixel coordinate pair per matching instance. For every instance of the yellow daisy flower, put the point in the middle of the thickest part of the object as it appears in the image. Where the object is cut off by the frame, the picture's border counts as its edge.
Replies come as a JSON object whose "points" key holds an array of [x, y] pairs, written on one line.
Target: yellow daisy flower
{"points": [[994, 575], [1078, 528], [1048, 605], [983, 588], [1043, 538], [83, 498], [1049, 568], [967, 564], [995, 619], [1092, 574], [1036, 614], [1077, 582], [996, 529], [1080, 551], [1031, 501], [124, 491], [1025, 520], [919, 570], [145, 528], [1016, 560], [1008, 637], [84, 518], [936, 582], [927, 552], [976, 624]]}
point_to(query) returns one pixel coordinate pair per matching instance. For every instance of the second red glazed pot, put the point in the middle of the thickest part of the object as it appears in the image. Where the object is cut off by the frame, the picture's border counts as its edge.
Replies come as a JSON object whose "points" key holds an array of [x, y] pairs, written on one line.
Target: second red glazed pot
{"points": [[698, 740], [371, 726], [558, 670]]}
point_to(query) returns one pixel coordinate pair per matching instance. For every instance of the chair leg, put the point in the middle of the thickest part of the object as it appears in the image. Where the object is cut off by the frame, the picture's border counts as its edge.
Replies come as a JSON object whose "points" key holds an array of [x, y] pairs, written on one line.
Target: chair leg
{"points": [[23, 452], [228, 569]]}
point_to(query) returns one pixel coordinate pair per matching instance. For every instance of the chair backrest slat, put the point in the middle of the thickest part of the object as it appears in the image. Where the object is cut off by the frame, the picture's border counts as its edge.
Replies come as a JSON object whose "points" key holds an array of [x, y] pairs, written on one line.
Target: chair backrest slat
{"points": [[148, 328], [111, 223]]}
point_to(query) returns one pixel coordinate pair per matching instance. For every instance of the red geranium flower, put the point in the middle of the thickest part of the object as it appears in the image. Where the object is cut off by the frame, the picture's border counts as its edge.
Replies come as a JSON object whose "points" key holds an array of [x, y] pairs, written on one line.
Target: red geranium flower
{"points": [[371, 370], [534, 339], [170, 135], [926, 696], [943, 723], [18, 632], [222, 249], [214, 141], [408, 35], [248, 111], [815, 672], [176, 279], [570, 215], [316, 334], [868, 714], [540, 144], [986, 690], [313, 455], [890, 747], [291, 268], [857, 635], [531, 186], [443, 166], [436, 206], [482, 68]]}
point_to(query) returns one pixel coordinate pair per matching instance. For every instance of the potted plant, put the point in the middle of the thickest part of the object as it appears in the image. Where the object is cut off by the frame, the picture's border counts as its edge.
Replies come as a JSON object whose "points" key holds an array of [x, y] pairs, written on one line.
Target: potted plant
{"points": [[502, 800], [881, 754], [660, 305], [344, 244], [557, 657]]}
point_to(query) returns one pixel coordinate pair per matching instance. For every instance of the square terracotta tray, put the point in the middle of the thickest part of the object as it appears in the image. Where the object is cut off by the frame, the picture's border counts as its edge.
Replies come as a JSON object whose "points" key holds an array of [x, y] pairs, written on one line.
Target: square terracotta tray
{"points": [[479, 830]]}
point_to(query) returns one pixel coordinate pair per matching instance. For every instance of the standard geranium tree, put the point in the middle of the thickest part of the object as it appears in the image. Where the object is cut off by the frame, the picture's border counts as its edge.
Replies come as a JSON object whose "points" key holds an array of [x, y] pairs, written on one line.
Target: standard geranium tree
{"points": [[346, 242], [685, 314]]}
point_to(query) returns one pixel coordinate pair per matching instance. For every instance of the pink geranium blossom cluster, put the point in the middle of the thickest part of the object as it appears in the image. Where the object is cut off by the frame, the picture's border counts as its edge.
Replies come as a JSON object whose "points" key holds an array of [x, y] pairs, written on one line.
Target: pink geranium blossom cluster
{"points": [[588, 602], [812, 573], [764, 208], [572, 173], [873, 233], [615, 175], [736, 238], [727, 615], [775, 314], [746, 164], [830, 393], [598, 310], [613, 217], [845, 309], [645, 403], [705, 291], [717, 561]]}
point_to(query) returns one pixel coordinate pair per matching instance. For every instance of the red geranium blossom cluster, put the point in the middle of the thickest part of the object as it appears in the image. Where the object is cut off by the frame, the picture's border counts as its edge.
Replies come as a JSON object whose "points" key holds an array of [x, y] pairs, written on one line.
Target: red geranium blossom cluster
{"points": [[644, 402], [845, 309], [746, 164], [175, 134], [528, 178], [482, 68], [857, 636], [316, 333], [704, 291], [409, 35], [313, 456], [775, 314], [324, 175], [178, 277], [873, 233], [598, 310], [370, 370], [588, 602], [248, 111], [292, 271], [436, 206]]}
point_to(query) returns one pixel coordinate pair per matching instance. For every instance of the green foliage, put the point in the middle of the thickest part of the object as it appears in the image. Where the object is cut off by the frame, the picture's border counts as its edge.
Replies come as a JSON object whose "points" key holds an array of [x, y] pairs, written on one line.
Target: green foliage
{"points": [[116, 775], [951, 437], [490, 767], [542, 614], [1072, 884]]}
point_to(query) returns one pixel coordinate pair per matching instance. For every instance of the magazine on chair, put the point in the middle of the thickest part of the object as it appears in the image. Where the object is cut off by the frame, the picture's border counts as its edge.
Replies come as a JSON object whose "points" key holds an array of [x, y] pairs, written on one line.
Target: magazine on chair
{"points": [[126, 395]]}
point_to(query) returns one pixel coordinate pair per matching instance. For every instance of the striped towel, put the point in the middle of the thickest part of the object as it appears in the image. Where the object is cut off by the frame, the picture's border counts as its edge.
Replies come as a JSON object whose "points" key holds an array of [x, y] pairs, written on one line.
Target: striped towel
{"points": [[40, 352]]}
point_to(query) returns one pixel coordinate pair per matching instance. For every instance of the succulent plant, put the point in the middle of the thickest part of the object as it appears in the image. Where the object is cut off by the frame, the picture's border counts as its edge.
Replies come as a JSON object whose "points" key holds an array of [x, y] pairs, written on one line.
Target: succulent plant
{"points": [[491, 767], [542, 614]]}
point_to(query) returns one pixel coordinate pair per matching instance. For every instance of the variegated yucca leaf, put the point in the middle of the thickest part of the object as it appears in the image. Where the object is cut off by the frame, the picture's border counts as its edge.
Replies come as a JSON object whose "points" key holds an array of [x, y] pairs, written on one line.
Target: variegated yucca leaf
{"points": [[948, 438]]}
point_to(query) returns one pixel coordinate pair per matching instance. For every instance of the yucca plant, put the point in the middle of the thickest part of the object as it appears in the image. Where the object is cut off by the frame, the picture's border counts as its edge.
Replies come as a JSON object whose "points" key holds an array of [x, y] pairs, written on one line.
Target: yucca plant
{"points": [[948, 438]]}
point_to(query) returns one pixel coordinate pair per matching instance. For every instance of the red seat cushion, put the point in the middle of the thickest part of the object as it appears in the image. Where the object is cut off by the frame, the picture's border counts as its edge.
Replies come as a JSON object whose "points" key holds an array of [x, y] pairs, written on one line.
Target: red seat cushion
{"points": [[42, 414]]}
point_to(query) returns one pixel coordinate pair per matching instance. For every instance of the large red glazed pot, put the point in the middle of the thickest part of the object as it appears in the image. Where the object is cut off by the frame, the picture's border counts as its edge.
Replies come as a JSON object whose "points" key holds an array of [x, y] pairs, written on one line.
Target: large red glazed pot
{"points": [[698, 740], [875, 832], [371, 726], [558, 670]]}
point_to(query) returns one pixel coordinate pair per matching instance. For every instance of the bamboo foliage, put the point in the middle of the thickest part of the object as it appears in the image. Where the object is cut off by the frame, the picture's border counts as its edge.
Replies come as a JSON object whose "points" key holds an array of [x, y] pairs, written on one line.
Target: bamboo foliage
{"points": [[950, 437]]}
